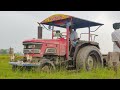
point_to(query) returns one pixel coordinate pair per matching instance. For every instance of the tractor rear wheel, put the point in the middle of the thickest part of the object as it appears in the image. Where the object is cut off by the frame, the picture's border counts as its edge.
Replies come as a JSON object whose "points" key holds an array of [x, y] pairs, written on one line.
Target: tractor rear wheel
{"points": [[89, 58]]}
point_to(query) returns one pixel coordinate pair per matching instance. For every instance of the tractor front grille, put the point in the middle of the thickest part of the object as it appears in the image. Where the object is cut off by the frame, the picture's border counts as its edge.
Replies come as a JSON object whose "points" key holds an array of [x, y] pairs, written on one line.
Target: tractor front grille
{"points": [[31, 51]]}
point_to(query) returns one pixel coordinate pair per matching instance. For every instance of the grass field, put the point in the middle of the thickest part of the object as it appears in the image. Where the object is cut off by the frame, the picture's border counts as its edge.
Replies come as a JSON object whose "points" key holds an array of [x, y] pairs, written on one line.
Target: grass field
{"points": [[7, 73]]}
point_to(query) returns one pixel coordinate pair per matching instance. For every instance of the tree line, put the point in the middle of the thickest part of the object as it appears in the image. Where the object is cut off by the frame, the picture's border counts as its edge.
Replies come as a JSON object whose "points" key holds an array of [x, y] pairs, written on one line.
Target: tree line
{"points": [[7, 51]]}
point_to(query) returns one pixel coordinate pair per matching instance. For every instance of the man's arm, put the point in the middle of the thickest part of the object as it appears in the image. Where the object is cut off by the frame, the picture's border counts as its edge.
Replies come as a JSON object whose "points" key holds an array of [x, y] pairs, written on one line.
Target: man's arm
{"points": [[76, 39], [117, 43], [115, 39]]}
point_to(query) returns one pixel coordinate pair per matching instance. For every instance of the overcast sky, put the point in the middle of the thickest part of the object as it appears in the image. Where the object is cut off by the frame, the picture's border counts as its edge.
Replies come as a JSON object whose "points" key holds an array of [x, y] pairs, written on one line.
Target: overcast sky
{"points": [[16, 26]]}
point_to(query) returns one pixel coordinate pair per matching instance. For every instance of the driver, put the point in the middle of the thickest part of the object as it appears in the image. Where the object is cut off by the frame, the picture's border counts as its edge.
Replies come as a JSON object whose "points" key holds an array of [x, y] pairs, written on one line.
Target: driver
{"points": [[73, 37], [73, 41]]}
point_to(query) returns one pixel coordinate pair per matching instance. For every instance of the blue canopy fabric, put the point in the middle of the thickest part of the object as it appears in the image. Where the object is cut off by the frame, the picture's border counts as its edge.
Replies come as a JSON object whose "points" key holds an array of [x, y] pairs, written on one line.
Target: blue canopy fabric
{"points": [[76, 22]]}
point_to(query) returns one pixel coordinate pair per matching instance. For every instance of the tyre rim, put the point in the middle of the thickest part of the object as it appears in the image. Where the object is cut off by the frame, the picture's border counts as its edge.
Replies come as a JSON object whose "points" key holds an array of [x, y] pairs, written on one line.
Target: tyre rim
{"points": [[90, 62]]}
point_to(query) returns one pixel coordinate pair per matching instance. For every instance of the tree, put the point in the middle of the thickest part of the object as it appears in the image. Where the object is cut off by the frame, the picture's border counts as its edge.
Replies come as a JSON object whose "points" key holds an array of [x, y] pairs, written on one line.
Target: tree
{"points": [[4, 51]]}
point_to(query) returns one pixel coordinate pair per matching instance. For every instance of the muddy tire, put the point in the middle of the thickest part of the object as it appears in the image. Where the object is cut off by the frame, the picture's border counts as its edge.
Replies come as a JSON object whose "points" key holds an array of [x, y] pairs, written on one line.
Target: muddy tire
{"points": [[89, 58], [47, 67]]}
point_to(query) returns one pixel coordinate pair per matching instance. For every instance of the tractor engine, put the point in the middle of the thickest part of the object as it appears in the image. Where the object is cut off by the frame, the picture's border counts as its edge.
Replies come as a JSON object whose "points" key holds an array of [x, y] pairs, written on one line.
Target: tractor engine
{"points": [[37, 49]]}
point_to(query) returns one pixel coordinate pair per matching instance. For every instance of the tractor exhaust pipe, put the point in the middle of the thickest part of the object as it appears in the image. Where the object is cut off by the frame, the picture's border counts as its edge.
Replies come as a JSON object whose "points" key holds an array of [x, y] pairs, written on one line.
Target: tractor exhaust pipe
{"points": [[39, 32]]}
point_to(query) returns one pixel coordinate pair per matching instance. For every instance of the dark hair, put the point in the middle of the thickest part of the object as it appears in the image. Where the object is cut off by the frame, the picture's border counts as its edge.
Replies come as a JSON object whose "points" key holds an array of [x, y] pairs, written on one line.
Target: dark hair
{"points": [[116, 26], [57, 31]]}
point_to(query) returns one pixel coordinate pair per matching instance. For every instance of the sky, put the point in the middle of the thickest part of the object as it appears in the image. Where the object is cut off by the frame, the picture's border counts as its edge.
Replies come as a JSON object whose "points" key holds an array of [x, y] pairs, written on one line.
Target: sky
{"points": [[17, 26]]}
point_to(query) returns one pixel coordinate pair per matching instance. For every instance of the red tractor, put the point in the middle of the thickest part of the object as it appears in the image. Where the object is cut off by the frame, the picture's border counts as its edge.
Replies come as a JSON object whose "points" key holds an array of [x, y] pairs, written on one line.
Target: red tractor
{"points": [[52, 53]]}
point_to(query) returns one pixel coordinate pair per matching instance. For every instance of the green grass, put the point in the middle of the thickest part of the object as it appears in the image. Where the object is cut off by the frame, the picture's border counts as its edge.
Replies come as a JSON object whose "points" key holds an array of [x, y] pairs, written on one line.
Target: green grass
{"points": [[7, 73]]}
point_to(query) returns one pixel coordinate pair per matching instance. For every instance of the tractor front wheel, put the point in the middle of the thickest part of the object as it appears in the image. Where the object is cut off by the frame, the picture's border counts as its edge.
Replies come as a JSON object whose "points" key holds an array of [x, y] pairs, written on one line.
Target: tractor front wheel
{"points": [[47, 66]]}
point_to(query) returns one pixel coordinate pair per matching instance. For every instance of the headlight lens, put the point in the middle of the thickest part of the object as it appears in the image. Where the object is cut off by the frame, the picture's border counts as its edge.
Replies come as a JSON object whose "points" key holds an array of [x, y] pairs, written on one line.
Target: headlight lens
{"points": [[50, 50]]}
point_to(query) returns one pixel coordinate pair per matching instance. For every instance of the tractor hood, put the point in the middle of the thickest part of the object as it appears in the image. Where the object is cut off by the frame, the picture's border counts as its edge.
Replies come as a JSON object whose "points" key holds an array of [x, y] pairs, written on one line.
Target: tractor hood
{"points": [[55, 41]]}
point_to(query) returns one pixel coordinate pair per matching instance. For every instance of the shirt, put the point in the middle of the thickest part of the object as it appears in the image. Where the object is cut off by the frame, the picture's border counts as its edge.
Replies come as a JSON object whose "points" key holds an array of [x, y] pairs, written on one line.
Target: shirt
{"points": [[116, 37], [73, 36]]}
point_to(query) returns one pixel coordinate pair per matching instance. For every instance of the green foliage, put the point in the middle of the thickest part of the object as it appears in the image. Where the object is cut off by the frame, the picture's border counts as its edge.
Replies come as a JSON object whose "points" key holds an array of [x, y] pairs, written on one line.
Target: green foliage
{"points": [[7, 73], [3, 51]]}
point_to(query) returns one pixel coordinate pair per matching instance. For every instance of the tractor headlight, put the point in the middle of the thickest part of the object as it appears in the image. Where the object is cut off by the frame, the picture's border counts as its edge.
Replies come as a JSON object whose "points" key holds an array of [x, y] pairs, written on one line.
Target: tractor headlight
{"points": [[50, 50]]}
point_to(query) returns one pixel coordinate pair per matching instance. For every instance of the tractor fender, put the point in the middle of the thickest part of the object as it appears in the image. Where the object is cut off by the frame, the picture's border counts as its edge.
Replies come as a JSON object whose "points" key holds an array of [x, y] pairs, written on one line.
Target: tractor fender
{"points": [[83, 44]]}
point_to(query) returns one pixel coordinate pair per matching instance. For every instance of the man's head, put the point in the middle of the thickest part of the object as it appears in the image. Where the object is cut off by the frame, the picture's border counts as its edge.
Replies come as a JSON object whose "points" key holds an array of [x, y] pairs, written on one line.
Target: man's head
{"points": [[58, 31], [116, 26]]}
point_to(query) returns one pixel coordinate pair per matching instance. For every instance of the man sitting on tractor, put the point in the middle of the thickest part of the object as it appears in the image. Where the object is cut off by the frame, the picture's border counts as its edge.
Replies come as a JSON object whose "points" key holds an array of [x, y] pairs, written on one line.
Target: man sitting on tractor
{"points": [[73, 37], [73, 40], [58, 34]]}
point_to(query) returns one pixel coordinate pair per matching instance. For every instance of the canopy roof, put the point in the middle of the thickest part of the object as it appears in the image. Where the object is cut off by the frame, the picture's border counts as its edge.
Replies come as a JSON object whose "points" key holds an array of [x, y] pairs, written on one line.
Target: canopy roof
{"points": [[60, 20]]}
